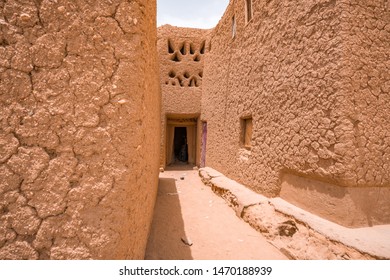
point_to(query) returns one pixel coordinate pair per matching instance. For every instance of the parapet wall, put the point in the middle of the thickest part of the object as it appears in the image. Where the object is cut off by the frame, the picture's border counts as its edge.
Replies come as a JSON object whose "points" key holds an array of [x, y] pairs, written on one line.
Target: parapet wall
{"points": [[79, 128], [311, 76]]}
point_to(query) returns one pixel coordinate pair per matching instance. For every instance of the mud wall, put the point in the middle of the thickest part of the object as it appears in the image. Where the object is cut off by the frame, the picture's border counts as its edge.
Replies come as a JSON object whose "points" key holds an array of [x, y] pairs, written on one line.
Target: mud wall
{"points": [[366, 82], [312, 77], [181, 53], [79, 115]]}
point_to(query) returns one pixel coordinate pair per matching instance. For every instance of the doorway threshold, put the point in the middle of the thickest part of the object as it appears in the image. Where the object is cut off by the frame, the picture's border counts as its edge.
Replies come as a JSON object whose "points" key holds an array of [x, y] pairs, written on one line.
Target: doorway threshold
{"points": [[181, 166]]}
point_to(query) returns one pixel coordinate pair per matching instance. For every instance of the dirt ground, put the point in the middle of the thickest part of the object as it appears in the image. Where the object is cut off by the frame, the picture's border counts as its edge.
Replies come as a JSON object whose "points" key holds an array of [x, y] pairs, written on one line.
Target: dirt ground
{"points": [[188, 211]]}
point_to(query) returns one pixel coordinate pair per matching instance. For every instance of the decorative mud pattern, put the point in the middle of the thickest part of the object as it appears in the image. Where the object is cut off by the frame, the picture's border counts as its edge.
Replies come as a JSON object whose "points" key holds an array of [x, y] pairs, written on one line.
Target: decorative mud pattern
{"points": [[185, 52]]}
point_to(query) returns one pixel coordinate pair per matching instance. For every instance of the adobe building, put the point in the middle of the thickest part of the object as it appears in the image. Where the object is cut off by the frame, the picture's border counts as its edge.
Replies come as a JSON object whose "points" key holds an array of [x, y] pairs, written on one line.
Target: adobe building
{"points": [[294, 103], [296, 99], [79, 128], [290, 98], [181, 52]]}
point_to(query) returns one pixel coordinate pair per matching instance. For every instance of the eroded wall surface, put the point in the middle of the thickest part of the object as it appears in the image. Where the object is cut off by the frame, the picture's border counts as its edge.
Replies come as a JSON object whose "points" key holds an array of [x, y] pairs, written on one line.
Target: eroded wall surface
{"points": [[313, 76], [366, 80], [181, 53], [79, 114]]}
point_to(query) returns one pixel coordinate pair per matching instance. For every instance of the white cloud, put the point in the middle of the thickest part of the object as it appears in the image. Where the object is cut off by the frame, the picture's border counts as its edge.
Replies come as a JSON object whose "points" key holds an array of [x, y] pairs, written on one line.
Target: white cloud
{"points": [[198, 22], [190, 13]]}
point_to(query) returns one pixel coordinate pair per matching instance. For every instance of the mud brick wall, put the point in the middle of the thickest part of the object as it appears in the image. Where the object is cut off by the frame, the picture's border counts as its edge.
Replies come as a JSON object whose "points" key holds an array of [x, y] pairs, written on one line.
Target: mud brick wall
{"points": [[181, 54], [79, 128], [313, 75], [366, 83]]}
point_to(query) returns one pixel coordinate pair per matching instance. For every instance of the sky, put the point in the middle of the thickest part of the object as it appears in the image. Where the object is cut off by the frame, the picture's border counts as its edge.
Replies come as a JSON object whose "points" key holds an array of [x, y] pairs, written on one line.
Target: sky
{"points": [[190, 13]]}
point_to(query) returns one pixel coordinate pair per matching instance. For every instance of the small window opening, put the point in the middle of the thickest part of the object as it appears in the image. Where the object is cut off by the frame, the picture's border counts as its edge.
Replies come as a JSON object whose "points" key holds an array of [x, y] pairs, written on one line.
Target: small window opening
{"points": [[192, 82], [197, 58], [234, 26], [248, 8], [202, 47], [183, 49], [180, 81], [175, 57], [172, 74], [170, 47], [186, 75], [246, 136], [192, 48]]}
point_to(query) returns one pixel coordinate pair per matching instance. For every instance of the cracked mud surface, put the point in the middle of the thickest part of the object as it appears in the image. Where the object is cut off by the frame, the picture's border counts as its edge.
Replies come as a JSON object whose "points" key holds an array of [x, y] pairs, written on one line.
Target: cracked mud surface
{"points": [[314, 77], [75, 107]]}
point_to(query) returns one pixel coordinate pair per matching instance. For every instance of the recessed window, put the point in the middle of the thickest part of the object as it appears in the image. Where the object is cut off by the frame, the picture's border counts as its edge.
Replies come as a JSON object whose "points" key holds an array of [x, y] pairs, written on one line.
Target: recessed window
{"points": [[234, 26], [246, 132], [248, 10], [170, 47], [203, 47], [183, 49]]}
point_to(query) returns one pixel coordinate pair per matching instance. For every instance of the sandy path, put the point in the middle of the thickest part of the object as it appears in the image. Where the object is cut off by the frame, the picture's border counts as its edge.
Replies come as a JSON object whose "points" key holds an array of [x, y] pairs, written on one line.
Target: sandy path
{"points": [[189, 209]]}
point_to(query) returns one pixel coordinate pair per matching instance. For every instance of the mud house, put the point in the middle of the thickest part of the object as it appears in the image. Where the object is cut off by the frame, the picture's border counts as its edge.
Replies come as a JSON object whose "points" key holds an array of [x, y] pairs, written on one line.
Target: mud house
{"points": [[294, 102], [181, 52], [289, 98]]}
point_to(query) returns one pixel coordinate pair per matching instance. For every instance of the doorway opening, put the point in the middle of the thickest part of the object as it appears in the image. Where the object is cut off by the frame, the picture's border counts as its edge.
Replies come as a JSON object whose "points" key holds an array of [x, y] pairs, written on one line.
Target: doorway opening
{"points": [[180, 144]]}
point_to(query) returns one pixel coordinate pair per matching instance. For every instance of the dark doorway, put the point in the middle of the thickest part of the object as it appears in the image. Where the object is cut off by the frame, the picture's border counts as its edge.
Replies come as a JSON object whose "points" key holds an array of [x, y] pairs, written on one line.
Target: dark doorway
{"points": [[180, 147]]}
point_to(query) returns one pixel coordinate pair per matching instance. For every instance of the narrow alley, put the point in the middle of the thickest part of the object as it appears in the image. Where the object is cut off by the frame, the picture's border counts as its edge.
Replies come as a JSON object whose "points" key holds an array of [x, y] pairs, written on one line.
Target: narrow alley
{"points": [[188, 212]]}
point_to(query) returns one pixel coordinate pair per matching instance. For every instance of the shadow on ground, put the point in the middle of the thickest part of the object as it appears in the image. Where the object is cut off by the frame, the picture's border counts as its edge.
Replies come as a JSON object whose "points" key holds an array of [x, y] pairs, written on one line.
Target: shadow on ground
{"points": [[168, 226], [179, 166]]}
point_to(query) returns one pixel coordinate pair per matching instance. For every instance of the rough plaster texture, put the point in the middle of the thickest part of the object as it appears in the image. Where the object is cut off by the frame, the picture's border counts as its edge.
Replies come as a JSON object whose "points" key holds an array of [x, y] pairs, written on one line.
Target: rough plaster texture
{"points": [[181, 53], [79, 114], [314, 77]]}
